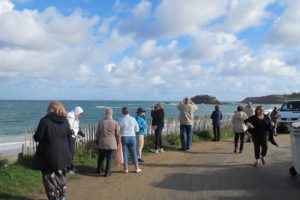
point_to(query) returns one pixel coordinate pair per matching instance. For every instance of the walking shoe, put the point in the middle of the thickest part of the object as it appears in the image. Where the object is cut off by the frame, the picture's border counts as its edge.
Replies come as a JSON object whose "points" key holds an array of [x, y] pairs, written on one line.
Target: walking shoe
{"points": [[154, 151], [141, 160], [256, 164], [138, 170], [263, 161], [71, 172], [125, 171], [161, 150], [234, 151], [181, 149]]}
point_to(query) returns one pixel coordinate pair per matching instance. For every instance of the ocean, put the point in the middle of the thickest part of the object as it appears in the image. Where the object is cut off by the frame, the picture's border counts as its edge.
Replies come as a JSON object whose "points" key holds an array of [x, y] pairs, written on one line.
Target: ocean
{"points": [[17, 115]]}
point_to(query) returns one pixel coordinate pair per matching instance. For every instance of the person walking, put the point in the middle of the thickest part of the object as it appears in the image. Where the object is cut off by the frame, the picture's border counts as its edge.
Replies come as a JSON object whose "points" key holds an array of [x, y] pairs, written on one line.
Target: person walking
{"points": [[250, 111], [73, 117], [239, 128], [140, 135], [107, 138], [260, 127], [158, 120], [274, 115], [53, 155], [216, 117], [186, 117], [128, 128]]}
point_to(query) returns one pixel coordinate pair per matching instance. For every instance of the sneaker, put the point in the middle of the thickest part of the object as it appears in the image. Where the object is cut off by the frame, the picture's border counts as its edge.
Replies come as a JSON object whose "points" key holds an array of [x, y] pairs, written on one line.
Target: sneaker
{"points": [[141, 160], [161, 150], [154, 151], [138, 170], [125, 171], [256, 164], [71, 172], [234, 151], [263, 161]]}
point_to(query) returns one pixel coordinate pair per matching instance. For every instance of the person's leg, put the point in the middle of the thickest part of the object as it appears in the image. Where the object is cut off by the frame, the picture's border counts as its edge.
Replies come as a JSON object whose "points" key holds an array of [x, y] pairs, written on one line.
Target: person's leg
{"points": [[256, 143], [133, 153], [182, 136], [236, 138], [264, 148], [156, 138], [55, 184], [101, 156], [242, 135], [159, 132], [218, 133], [125, 154], [72, 150], [141, 145], [189, 136], [109, 154], [215, 133]]}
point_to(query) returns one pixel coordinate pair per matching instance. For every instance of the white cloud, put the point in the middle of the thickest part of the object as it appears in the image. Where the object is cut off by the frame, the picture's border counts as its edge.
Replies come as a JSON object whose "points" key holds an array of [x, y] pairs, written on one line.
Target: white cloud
{"points": [[245, 14], [286, 29], [5, 6]]}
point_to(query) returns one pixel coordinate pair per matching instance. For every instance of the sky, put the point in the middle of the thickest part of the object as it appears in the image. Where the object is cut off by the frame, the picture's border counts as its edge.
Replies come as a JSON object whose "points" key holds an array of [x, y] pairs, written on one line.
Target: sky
{"points": [[148, 50]]}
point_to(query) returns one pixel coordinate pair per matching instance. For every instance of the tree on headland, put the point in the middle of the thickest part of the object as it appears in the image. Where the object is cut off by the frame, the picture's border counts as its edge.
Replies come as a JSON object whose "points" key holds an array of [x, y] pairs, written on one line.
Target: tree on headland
{"points": [[272, 99], [206, 99]]}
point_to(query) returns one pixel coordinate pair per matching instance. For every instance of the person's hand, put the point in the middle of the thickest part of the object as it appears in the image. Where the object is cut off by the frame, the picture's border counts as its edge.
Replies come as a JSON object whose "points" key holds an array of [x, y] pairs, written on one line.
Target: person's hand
{"points": [[250, 126]]}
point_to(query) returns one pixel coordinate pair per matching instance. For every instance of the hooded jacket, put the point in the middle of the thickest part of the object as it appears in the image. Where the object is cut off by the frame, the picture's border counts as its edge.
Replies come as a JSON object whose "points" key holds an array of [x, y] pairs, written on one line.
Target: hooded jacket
{"points": [[74, 123], [142, 122], [53, 151], [238, 122], [216, 117]]}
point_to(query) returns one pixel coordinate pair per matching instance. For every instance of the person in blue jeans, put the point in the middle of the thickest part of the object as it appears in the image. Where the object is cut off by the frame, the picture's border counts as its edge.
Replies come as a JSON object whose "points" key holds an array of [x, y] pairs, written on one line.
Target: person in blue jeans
{"points": [[216, 117], [186, 117], [128, 128]]}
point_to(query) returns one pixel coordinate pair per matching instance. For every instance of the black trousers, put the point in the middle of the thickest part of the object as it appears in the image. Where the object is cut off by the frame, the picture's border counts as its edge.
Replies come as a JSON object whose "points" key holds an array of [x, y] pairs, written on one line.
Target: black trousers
{"points": [[158, 140], [260, 145], [216, 133], [102, 154], [72, 150], [238, 136]]}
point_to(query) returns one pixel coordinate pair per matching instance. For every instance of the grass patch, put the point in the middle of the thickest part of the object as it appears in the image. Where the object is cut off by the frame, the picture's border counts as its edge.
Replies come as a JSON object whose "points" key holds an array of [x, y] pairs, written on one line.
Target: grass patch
{"points": [[17, 181]]}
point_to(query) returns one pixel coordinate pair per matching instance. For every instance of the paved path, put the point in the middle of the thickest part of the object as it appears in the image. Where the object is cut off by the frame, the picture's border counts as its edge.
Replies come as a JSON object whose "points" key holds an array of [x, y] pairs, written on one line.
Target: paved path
{"points": [[209, 171]]}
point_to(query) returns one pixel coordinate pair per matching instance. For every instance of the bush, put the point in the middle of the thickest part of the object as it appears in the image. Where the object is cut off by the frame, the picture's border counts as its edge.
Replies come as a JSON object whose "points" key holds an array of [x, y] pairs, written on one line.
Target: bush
{"points": [[172, 139], [206, 134], [3, 162], [149, 141], [195, 138]]}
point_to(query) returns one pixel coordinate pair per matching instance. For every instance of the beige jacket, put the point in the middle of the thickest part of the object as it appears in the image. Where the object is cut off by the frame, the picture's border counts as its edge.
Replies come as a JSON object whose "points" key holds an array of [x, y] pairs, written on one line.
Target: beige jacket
{"points": [[249, 111], [186, 115], [238, 123], [108, 134]]}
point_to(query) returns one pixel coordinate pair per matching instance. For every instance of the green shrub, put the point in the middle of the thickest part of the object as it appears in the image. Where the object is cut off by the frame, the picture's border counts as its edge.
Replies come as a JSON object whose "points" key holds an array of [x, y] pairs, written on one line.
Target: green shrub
{"points": [[172, 139], [3, 162], [149, 142], [195, 138], [206, 134], [227, 132]]}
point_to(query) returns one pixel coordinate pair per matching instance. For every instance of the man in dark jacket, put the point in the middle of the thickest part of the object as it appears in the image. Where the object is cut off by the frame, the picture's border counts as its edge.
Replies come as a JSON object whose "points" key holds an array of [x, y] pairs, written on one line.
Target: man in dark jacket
{"points": [[216, 117], [158, 120], [53, 154]]}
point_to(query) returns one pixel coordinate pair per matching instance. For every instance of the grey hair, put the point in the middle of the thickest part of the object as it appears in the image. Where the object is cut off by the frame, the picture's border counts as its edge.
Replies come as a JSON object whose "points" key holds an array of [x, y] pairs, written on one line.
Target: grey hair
{"points": [[108, 111]]}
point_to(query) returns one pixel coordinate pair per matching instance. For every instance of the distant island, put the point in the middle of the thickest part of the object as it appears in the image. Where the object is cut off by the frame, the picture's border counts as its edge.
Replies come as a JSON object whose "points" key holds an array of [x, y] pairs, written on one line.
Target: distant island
{"points": [[206, 99], [272, 99]]}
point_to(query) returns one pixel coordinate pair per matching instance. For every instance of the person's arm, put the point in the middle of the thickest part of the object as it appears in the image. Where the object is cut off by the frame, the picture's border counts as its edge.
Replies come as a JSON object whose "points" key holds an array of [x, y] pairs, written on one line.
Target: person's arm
{"points": [[249, 122], [136, 126], [221, 116], [212, 115], [98, 133], [40, 131]]}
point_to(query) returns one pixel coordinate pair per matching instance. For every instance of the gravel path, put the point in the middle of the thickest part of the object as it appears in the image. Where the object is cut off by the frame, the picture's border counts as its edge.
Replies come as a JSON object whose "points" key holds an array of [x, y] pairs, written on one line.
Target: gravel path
{"points": [[209, 171]]}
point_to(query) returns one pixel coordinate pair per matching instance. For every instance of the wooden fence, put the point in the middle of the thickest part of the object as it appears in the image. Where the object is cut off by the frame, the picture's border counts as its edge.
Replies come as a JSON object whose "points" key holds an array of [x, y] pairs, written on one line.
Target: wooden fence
{"points": [[172, 126]]}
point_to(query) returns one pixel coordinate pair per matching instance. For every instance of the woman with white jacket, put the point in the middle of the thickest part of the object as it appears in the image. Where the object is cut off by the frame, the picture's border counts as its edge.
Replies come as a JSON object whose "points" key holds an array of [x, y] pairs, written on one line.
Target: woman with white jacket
{"points": [[239, 128]]}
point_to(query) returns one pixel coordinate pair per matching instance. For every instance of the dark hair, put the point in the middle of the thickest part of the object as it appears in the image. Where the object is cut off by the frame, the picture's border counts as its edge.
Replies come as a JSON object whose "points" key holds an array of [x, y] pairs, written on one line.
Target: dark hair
{"points": [[239, 108], [258, 108], [125, 110], [217, 107]]}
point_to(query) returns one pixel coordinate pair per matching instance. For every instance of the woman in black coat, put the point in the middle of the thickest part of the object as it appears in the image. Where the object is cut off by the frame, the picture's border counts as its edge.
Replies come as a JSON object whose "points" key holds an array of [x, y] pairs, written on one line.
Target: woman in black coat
{"points": [[53, 154], [260, 126], [158, 120]]}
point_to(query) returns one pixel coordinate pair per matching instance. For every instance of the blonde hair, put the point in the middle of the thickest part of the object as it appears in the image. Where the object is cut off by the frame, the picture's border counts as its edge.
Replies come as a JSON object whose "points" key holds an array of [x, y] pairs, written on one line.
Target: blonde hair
{"points": [[57, 108]]}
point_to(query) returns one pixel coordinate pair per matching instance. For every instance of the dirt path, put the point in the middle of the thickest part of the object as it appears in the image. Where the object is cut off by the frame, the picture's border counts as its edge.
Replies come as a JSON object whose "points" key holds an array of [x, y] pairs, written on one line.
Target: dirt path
{"points": [[209, 171]]}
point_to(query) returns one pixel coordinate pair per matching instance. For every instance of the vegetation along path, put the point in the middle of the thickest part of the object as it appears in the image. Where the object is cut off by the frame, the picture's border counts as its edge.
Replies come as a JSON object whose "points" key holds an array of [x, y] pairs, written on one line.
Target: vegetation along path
{"points": [[209, 171]]}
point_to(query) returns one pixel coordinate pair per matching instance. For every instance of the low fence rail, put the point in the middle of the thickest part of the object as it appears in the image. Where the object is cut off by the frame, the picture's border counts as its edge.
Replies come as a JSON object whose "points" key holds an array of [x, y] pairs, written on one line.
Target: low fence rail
{"points": [[172, 125]]}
